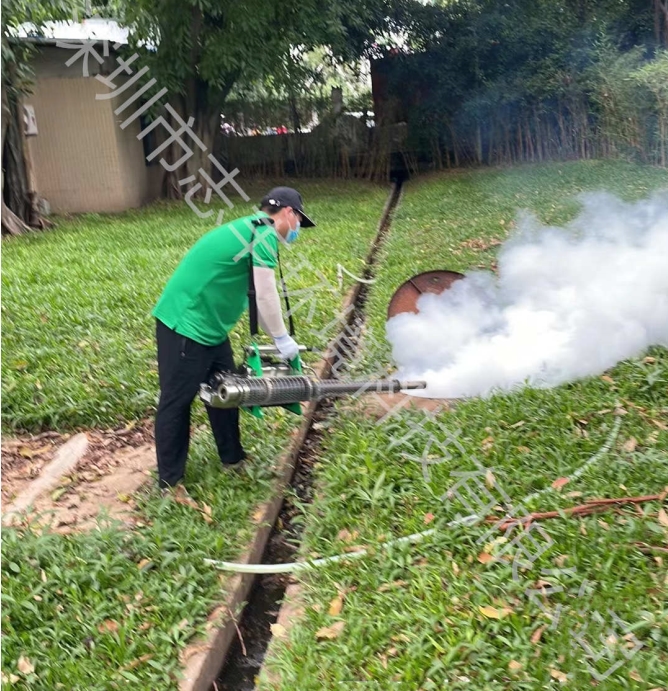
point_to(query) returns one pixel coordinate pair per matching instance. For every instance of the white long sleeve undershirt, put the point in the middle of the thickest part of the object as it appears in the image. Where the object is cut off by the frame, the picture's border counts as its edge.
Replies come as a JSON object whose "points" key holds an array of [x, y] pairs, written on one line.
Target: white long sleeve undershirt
{"points": [[270, 315]]}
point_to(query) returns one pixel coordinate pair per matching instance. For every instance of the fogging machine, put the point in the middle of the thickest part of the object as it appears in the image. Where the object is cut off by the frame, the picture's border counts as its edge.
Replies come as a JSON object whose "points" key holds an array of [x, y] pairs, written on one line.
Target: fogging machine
{"points": [[264, 380]]}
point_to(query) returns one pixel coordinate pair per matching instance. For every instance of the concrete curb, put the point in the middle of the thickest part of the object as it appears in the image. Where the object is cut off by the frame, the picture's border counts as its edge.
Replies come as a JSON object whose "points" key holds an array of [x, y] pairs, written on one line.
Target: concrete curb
{"points": [[65, 460]]}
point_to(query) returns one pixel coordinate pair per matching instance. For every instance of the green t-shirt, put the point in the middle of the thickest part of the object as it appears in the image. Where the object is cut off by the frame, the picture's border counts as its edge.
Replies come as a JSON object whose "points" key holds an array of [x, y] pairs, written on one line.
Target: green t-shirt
{"points": [[208, 292]]}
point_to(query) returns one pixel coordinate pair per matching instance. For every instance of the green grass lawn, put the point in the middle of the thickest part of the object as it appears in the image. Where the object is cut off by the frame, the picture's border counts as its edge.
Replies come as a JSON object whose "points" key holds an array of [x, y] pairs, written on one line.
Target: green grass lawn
{"points": [[441, 613], [78, 338], [112, 608]]}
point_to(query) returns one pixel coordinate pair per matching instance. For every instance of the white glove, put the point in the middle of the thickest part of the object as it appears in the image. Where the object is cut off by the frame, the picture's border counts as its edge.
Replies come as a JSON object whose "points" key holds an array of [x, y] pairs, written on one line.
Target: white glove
{"points": [[287, 347]]}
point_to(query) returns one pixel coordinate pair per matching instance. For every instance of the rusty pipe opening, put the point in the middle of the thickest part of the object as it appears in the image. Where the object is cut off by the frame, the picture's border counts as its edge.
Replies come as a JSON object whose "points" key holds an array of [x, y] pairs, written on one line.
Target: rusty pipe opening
{"points": [[406, 296]]}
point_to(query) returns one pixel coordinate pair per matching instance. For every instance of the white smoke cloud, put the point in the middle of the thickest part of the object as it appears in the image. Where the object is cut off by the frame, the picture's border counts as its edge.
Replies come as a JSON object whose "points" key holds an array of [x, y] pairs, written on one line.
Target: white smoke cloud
{"points": [[568, 303]]}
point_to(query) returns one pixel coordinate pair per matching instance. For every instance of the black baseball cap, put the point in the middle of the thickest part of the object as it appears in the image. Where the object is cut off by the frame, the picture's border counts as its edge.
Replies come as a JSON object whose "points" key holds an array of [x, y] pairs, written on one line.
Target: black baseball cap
{"points": [[286, 196]]}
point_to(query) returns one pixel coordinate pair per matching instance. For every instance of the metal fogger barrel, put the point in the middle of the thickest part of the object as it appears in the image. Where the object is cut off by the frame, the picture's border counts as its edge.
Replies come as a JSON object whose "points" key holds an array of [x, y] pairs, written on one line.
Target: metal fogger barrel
{"points": [[231, 391]]}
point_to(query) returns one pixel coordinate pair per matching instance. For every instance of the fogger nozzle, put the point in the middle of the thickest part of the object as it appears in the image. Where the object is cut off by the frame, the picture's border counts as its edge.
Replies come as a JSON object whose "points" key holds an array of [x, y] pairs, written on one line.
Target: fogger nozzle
{"points": [[231, 391]]}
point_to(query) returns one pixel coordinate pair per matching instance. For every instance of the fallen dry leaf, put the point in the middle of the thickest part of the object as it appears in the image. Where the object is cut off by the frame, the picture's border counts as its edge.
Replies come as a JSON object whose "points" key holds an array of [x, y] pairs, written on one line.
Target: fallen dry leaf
{"points": [[194, 650], [455, 568], [535, 636], [561, 560], [630, 445], [346, 535], [663, 518], [485, 558], [608, 379], [560, 482], [635, 675], [487, 443], [490, 480], [494, 612], [38, 451], [394, 584], [278, 630], [206, 513], [138, 661], [514, 665], [524, 449], [330, 632], [428, 518], [25, 665], [108, 626], [186, 501], [558, 675], [336, 605]]}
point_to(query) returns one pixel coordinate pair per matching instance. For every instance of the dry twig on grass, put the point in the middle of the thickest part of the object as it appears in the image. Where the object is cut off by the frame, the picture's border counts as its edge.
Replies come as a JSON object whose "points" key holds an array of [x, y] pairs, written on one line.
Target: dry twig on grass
{"points": [[586, 509]]}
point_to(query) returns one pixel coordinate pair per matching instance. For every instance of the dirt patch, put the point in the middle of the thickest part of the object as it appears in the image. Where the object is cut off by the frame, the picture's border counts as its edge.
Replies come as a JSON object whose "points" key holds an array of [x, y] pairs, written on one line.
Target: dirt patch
{"points": [[116, 463]]}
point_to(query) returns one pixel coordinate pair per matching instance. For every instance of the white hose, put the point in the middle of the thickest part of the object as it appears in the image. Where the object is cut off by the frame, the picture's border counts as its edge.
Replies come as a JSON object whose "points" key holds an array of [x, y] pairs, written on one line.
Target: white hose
{"points": [[340, 270], [295, 566], [587, 464]]}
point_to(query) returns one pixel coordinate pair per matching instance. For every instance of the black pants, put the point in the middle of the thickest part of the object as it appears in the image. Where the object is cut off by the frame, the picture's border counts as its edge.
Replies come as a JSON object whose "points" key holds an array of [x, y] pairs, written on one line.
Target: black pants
{"points": [[183, 364]]}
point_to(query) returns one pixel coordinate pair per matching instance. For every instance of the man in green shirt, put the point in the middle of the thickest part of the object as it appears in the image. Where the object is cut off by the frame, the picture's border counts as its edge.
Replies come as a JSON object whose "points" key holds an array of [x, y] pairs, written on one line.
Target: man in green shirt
{"points": [[201, 303]]}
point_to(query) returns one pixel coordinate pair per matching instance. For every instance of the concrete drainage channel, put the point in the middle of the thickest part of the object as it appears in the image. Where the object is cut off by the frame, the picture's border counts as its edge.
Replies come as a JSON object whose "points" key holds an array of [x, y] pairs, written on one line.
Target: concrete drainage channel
{"points": [[246, 655], [237, 649]]}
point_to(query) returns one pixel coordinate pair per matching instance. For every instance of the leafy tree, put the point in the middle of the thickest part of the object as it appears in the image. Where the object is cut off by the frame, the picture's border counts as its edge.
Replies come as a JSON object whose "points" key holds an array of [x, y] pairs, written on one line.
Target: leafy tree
{"points": [[202, 49], [653, 76], [526, 79], [19, 202]]}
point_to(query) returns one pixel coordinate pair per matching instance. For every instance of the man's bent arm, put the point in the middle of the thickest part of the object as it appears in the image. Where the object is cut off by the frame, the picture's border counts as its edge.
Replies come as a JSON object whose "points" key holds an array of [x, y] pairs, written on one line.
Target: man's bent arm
{"points": [[270, 315]]}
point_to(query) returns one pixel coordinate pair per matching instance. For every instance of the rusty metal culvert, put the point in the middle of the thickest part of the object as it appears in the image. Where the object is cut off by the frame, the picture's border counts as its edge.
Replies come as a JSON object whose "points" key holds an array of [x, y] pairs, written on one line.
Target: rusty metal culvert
{"points": [[406, 296]]}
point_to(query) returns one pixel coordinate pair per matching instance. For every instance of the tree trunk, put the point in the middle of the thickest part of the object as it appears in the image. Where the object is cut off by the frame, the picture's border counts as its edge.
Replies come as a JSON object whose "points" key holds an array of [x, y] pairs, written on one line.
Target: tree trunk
{"points": [[11, 223], [453, 135], [204, 104], [661, 22], [478, 144], [200, 103], [13, 179]]}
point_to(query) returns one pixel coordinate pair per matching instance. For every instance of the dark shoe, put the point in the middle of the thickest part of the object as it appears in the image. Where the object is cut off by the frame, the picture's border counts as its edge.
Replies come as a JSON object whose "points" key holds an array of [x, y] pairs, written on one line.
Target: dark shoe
{"points": [[234, 466], [234, 462]]}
